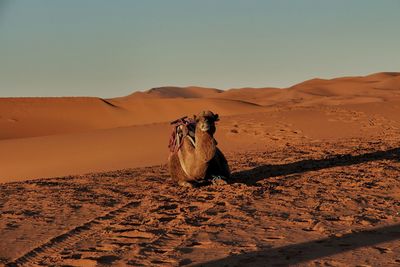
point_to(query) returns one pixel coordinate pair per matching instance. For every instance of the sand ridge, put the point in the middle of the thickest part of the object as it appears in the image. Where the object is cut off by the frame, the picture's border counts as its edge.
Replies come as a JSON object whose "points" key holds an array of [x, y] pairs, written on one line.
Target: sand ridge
{"points": [[45, 134], [28, 117], [315, 178]]}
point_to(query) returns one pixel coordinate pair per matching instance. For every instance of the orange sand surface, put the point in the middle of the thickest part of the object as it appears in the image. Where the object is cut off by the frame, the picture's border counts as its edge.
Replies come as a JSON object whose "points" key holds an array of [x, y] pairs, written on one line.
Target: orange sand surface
{"points": [[316, 171]]}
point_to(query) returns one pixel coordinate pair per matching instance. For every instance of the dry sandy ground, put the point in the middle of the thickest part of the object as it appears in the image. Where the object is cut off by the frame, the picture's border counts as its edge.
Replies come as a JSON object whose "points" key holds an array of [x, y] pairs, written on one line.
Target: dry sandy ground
{"points": [[316, 179], [315, 204]]}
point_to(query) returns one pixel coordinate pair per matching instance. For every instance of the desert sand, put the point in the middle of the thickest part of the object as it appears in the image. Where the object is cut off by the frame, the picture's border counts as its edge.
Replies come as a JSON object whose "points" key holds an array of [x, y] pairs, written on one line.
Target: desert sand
{"points": [[315, 181]]}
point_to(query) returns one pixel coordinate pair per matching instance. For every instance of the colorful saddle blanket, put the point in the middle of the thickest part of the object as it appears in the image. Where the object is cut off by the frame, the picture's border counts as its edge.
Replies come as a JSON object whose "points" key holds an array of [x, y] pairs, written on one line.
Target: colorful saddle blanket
{"points": [[183, 127]]}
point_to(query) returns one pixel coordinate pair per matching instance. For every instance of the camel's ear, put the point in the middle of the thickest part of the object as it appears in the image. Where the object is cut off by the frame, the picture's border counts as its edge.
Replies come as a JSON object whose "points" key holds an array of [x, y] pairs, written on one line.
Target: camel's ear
{"points": [[216, 117]]}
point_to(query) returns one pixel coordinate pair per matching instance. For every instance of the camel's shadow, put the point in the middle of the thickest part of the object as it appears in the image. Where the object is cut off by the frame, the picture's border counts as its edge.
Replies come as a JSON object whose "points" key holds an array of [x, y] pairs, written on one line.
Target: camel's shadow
{"points": [[294, 254], [262, 172], [297, 253]]}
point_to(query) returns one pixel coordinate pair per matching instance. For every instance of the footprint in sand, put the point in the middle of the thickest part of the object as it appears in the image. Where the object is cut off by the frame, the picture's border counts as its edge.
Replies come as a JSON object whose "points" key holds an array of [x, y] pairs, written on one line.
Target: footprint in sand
{"points": [[196, 221], [107, 259], [273, 237], [383, 250], [12, 120], [235, 131], [215, 211], [12, 225], [136, 234]]}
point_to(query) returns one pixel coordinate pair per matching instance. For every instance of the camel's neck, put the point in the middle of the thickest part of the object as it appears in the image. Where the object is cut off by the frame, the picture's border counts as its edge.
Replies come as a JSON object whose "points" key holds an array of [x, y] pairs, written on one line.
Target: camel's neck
{"points": [[205, 146]]}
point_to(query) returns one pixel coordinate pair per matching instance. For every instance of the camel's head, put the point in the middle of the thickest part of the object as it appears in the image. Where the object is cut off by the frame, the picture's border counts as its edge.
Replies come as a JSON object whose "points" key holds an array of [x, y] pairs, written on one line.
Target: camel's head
{"points": [[205, 121]]}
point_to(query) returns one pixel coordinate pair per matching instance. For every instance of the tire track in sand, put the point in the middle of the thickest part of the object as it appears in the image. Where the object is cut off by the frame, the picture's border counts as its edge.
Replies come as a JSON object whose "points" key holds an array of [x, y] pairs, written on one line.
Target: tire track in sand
{"points": [[56, 244]]}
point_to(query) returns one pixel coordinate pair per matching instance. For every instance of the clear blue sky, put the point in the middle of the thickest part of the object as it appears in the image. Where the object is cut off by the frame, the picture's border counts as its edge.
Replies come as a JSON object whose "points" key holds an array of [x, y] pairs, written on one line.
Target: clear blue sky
{"points": [[113, 47]]}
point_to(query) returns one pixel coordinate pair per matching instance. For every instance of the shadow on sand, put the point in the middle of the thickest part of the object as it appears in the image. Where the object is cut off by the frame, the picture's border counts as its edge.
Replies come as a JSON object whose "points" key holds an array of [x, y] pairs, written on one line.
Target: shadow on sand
{"points": [[265, 171], [302, 252], [312, 250]]}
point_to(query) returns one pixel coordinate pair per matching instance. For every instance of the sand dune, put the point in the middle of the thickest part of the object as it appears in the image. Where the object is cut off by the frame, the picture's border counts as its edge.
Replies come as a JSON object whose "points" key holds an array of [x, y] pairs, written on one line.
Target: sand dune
{"points": [[315, 178], [46, 137], [298, 201], [165, 110], [259, 96], [177, 92], [338, 91], [28, 117], [144, 145]]}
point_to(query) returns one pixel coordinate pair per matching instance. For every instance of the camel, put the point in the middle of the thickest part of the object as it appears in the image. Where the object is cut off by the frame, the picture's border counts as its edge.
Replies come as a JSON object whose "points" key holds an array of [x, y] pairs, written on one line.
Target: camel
{"points": [[196, 158]]}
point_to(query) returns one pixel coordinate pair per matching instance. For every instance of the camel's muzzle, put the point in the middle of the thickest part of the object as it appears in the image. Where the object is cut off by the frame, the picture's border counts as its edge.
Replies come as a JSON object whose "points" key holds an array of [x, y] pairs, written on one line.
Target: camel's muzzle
{"points": [[205, 127]]}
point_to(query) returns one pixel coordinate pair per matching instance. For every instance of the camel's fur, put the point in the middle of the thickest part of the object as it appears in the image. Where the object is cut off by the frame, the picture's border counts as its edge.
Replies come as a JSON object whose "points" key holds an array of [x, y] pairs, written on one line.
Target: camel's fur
{"points": [[203, 160]]}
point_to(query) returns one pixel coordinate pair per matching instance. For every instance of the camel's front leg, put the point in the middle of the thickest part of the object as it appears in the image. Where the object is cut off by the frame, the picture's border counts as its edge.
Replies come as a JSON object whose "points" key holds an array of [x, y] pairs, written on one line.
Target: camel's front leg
{"points": [[194, 168]]}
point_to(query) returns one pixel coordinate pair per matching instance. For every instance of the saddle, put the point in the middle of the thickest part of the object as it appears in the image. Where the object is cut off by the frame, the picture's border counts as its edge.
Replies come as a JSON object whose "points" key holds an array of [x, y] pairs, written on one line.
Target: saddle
{"points": [[183, 127]]}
